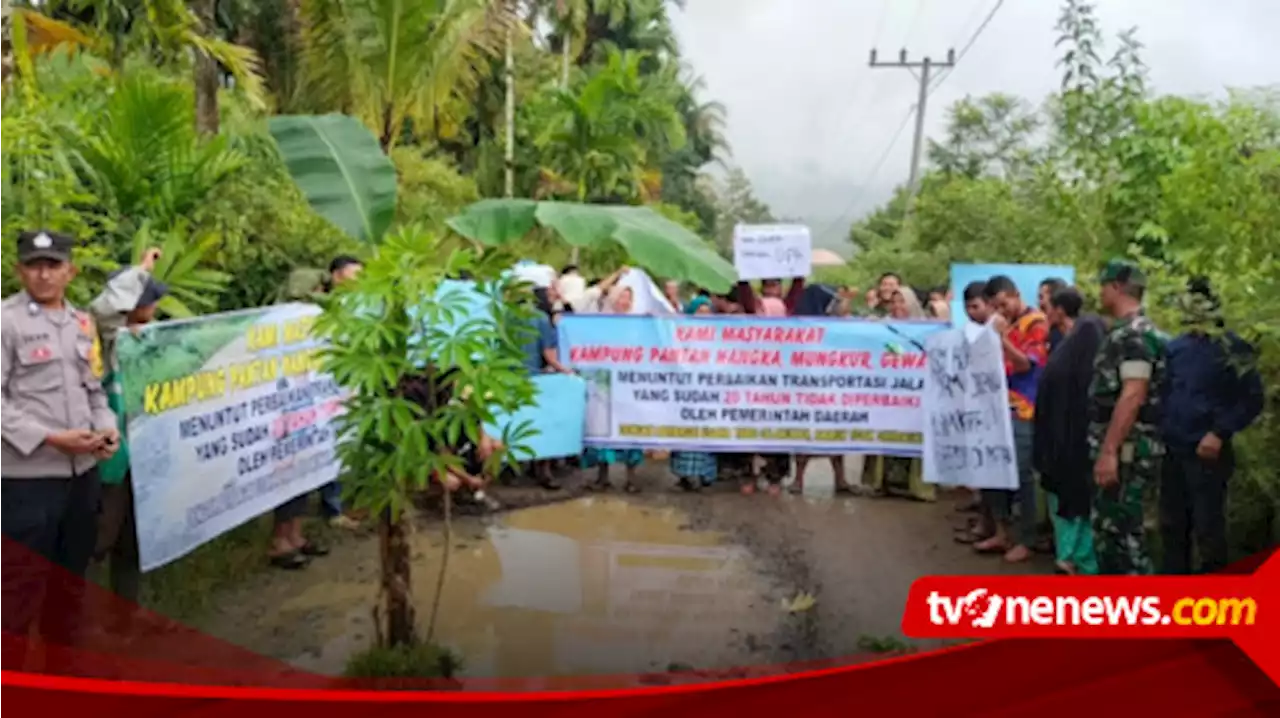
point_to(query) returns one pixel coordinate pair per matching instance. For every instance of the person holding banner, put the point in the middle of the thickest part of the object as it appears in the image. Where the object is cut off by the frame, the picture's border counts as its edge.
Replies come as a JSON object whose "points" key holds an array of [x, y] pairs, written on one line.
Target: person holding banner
{"points": [[619, 300], [770, 303], [1024, 334], [128, 300], [899, 474], [695, 469]]}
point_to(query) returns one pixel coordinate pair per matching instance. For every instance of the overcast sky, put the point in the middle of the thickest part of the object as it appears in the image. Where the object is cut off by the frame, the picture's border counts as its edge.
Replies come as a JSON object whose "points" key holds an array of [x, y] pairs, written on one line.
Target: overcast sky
{"points": [[808, 119]]}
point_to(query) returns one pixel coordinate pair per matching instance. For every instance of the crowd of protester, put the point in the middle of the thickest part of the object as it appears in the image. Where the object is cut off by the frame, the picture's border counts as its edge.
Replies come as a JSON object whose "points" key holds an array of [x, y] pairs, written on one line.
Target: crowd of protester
{"points": [[1106, 412]]}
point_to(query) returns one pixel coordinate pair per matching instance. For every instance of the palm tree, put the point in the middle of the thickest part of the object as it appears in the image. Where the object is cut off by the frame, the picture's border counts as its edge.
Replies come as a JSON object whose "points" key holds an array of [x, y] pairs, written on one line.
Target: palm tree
{"points": [[598, 140], [396, 65], [164, 29]]}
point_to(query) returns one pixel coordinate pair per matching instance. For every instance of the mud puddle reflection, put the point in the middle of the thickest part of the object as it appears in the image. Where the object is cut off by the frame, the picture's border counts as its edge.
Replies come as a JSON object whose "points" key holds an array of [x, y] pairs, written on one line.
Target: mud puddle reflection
{"points": [[595, 586]]}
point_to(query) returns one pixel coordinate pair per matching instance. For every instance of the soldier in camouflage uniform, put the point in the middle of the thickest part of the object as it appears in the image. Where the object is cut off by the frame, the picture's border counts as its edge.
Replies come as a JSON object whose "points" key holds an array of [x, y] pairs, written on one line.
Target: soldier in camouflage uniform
{"points": [[1124, 420]]}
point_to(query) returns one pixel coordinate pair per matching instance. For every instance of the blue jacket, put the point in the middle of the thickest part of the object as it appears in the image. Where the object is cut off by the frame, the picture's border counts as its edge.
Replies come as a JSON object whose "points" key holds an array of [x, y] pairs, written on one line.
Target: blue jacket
{"points": [[1208, 390]]}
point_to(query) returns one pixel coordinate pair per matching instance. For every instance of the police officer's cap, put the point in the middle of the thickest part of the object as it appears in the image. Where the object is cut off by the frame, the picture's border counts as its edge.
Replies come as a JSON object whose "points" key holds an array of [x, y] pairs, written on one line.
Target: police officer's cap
{"points": [[42, 244]]}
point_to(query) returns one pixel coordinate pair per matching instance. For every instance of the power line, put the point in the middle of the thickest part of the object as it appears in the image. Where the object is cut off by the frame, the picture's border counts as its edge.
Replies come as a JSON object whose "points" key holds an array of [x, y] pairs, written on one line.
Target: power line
{"points": [[974, 38], [875, 169]]}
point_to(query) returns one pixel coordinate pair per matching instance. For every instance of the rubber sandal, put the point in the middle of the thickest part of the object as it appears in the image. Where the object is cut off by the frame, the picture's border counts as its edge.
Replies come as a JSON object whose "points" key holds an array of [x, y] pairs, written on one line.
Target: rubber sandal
{"points": [[631, 488], [313, 549], [598, 486], [550, 484], [795, 489], [289, 561], [966, 537]]}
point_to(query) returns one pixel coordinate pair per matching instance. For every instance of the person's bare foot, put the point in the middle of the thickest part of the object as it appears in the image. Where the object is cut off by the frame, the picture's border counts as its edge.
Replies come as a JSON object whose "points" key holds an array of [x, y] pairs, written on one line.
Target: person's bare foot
{"points": [[747, 489], [775, 489], [995, 544], [1017, 554]]}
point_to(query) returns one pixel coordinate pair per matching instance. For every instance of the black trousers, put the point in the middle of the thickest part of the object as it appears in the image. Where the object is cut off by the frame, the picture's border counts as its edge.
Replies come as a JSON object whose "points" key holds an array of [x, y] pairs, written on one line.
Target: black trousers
{"points": [[118, 539], [54, 522], [1193, 495]]}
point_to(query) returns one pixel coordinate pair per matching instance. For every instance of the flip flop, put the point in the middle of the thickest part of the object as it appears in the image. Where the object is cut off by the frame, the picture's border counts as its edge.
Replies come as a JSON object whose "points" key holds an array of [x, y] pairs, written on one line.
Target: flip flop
{"points": [[631, 489], [598, 487], [289, 561], [795, 489], [845, 489]]}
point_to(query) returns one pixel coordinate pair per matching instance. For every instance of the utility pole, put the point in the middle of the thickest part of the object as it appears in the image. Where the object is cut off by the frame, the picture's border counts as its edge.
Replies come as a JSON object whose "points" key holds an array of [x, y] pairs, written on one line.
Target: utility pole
{"points": [[926, 66]]}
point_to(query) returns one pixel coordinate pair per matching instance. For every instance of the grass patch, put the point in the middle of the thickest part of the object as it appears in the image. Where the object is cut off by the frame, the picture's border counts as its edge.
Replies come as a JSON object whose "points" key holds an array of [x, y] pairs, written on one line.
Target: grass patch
{"points": [[186, 588], [420, 660]]}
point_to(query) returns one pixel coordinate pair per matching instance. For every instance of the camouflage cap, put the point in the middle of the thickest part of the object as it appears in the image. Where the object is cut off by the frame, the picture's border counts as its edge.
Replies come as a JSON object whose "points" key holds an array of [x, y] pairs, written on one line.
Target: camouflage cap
{"points": [[1122, 270]]}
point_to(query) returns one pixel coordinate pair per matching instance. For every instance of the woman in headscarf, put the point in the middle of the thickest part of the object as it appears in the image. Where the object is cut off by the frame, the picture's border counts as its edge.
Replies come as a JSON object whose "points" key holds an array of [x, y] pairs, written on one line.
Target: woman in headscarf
{"points": [[1060, 447], [899, 474], [619, 299], [695, 469]]}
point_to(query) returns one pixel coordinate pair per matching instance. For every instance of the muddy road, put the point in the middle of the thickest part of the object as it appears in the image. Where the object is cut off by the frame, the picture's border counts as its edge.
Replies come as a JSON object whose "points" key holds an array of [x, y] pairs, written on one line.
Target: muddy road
{"points": [[607, 584]]}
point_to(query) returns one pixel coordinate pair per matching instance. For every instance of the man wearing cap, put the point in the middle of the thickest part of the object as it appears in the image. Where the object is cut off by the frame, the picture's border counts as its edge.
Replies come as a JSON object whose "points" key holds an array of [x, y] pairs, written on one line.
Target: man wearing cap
{"points": [[57, 426], [128, 301], [1124, 421], [1213, 393]]}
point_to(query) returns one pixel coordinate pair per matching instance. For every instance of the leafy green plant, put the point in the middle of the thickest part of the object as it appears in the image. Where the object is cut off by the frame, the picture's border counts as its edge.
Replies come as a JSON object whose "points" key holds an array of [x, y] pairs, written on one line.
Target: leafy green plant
{"points": [[405, 661], [422, 375]]}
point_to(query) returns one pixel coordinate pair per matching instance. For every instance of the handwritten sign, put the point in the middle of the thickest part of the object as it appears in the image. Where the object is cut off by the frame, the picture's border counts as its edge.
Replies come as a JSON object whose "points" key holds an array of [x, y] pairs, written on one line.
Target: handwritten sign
{"points": [[772, 251], [968, 432]]}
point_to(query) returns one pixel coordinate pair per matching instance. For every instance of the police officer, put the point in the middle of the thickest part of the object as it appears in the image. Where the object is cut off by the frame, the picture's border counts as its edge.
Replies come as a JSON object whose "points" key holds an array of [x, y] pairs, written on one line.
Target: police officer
{"points": [[56, 427], [1124, 421]]}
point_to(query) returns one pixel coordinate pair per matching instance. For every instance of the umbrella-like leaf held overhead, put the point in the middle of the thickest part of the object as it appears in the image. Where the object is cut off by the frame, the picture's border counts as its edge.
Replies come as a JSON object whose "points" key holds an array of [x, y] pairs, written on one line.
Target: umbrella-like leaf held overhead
{"points": [[652, 241]]}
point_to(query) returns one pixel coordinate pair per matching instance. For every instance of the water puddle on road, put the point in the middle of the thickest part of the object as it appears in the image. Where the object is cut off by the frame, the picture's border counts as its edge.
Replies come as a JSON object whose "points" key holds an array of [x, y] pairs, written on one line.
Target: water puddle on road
{"points": [[594, 586]]}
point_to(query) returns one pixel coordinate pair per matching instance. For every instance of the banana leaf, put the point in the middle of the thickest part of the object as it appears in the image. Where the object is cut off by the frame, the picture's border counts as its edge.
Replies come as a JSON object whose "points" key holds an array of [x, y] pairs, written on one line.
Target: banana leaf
{"points": [[662, 247], [341, 170]]}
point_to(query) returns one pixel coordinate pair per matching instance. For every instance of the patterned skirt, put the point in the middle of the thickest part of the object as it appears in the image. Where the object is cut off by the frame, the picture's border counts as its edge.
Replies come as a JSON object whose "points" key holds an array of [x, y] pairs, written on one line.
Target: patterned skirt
{"points": [[695, 465], [593, 457]]}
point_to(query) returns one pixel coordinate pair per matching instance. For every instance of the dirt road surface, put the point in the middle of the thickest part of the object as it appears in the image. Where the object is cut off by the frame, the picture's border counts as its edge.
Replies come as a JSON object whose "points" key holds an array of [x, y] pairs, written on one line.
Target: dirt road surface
{"points": [[576, 583]]}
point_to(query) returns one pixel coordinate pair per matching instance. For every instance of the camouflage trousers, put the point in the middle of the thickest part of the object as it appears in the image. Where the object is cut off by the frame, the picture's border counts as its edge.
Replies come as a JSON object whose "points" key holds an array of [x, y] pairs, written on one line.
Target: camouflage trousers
{"points": [[1119, 536]]}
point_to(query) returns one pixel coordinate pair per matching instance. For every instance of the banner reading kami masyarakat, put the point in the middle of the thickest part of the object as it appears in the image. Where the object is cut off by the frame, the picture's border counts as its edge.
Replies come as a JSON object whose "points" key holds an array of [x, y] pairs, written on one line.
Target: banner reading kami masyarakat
{"points": [[227, 417], [746, 384]]}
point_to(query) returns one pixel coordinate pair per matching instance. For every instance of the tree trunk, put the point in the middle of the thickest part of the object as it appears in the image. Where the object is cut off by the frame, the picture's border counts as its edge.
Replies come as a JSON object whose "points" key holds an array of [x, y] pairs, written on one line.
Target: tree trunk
{"points": [[393, 544], [206, 72], [509, 159]]}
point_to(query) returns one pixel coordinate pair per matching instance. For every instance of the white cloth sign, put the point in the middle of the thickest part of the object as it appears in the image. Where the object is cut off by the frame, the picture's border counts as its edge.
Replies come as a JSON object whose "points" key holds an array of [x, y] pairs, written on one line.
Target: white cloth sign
{"points": [[646, 297], [774, 251], [968, 432]]}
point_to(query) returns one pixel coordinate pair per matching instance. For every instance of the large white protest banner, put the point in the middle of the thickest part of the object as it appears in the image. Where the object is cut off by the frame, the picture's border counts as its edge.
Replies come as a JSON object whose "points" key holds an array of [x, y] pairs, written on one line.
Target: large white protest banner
{"points": [[772, 251], [968, 430], [228, 416]]}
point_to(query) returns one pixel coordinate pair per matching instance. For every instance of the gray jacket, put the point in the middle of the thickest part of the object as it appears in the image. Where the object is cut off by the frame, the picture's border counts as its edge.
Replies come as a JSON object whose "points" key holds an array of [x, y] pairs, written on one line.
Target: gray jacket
{"points": [[111, 308], [52, 381]]}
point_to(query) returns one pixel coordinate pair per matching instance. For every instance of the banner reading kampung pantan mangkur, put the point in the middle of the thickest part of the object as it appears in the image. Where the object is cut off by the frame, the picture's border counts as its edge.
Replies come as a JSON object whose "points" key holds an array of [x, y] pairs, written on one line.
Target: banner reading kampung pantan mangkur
{"points": [[746, 384], [227, 418]]}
